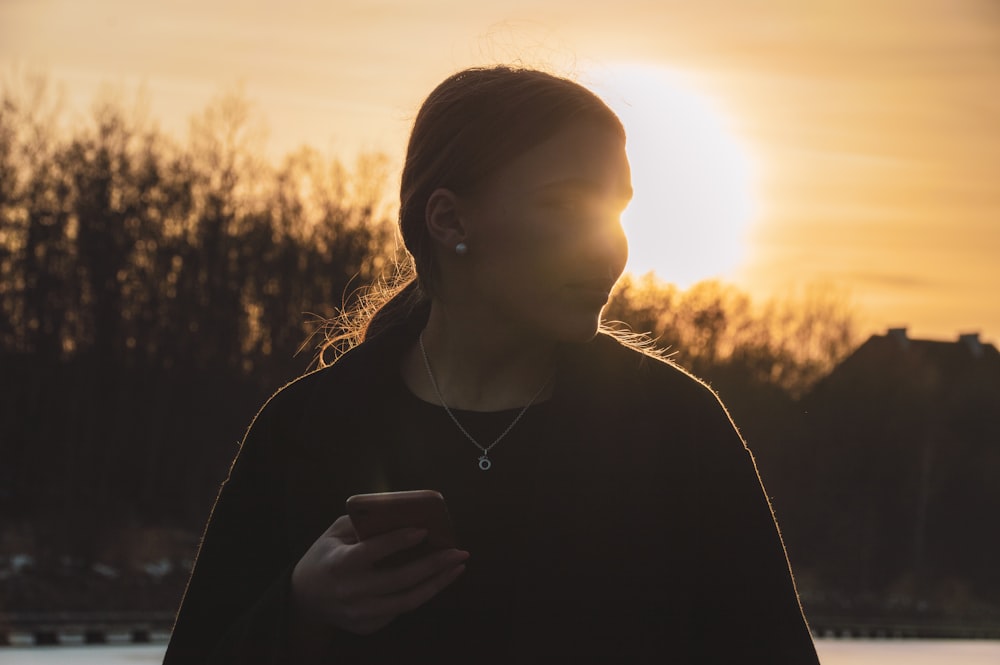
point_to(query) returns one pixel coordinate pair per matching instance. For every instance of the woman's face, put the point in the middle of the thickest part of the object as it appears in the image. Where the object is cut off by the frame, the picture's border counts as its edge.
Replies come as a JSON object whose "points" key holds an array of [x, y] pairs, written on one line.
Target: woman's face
{"points": [[545, 239]]}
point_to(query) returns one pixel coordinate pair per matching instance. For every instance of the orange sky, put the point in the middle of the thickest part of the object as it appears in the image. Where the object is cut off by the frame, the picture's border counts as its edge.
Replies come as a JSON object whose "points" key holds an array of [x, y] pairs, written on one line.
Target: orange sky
{"points": [[874, 125]]}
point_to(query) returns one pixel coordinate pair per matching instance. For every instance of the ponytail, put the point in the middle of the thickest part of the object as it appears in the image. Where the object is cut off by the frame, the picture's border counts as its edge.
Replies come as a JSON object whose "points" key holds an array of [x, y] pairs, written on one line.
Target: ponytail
{"points": [[399, 308], [378, 307]]}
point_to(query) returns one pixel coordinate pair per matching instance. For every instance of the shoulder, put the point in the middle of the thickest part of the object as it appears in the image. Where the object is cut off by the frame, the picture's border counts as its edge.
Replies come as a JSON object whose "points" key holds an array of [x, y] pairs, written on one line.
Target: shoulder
{"points": [[634, 371], [362, 374], [625, 384]]}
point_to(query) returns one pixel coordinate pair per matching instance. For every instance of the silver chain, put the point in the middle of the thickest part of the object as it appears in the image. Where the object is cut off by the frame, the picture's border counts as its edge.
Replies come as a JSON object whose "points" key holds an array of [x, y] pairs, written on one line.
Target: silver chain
{"points": [[484, 461]]}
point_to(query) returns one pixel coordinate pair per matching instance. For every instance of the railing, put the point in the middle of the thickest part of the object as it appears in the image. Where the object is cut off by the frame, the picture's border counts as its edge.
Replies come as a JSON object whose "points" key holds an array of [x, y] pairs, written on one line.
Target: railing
{"points": [[76, 628], [894, 628], [57, 628]]}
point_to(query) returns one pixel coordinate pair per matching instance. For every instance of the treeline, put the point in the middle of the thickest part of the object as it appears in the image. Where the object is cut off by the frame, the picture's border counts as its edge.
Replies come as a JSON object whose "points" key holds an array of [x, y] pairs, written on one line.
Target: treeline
{"points": [[153, 293]]}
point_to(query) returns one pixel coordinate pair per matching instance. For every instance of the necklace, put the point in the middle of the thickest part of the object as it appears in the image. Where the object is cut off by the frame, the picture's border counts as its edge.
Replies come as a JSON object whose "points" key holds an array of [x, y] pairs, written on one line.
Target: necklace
{"points": [[484, 460]]}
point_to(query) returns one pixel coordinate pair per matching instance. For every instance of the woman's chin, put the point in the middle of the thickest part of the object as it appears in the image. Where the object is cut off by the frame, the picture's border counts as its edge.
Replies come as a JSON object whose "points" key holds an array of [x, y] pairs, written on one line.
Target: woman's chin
{"points": [[577, 330]]}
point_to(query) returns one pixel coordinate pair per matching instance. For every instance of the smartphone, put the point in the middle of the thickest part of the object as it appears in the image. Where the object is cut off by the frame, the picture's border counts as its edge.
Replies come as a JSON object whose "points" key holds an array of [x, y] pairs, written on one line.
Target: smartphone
{"points": [[374, 514]]}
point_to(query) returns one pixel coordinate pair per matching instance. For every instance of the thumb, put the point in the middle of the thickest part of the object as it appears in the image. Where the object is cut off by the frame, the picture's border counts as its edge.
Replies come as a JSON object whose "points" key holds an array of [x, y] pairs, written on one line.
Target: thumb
{"points": [[342, 529]]}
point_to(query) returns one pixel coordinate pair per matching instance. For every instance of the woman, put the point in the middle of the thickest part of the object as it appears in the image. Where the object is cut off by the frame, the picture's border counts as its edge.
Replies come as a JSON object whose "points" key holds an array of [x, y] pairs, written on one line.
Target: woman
{"points": [[606, 508]]}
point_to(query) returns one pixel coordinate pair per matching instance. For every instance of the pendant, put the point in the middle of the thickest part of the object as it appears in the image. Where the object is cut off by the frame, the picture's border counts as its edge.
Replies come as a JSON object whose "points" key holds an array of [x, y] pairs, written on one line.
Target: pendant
{"points": [[485, 463]]}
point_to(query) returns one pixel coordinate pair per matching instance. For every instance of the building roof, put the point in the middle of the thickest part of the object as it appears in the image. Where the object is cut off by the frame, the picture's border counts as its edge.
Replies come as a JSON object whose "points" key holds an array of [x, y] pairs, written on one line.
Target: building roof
{"points": [[895, 362]]}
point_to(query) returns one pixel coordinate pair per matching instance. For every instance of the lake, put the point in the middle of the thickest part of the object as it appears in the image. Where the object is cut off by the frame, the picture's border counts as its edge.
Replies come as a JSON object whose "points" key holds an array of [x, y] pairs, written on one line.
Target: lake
{"points": [[831, 652]]}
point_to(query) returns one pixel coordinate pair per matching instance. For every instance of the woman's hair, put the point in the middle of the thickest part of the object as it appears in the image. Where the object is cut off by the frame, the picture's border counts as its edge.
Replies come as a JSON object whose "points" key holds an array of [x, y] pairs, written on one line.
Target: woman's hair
{"points": [[472, 125]]}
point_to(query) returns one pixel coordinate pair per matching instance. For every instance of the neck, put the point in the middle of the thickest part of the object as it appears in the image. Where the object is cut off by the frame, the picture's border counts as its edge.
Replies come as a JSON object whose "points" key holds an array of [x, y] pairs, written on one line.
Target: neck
{"points": [[478, 369]]}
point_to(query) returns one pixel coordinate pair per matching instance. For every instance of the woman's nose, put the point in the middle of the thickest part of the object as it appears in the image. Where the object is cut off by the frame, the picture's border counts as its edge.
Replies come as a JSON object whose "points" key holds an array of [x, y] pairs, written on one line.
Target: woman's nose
{"points": [[609, 244]]}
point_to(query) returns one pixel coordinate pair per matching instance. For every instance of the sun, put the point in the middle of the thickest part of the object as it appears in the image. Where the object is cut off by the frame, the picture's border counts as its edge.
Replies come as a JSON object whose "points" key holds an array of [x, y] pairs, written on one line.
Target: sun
{"points": [[694, 180]]}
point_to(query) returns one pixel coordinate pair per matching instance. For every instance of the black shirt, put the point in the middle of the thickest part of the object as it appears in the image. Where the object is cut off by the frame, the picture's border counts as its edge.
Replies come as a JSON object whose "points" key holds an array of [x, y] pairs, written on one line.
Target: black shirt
{"points": [[623, 521]]}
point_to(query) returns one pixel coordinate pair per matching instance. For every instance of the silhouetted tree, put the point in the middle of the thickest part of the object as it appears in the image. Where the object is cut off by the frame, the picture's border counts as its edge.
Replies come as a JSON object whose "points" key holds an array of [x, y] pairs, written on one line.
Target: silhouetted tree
{"points": [[153, 294], [719, 333]]}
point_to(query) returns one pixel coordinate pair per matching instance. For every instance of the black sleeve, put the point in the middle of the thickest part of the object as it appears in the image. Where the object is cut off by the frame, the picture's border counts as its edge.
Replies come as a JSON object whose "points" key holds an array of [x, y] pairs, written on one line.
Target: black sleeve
{"points": [[749, 611], [237, 602]]}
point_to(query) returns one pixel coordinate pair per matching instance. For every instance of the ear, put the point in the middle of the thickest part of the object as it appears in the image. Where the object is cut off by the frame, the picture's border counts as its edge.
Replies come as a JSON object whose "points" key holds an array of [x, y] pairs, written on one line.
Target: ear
{"points": [[445, 223]]}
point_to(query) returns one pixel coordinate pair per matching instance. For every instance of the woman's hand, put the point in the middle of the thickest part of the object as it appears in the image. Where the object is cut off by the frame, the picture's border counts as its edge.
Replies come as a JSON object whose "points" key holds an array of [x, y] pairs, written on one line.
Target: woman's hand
{"points": [[336, 583]]}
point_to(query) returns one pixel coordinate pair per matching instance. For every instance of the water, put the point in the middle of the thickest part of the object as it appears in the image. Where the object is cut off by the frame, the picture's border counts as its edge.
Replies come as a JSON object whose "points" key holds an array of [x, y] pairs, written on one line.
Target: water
{"points": [[831, 652], [87, 655], [908, 652]]}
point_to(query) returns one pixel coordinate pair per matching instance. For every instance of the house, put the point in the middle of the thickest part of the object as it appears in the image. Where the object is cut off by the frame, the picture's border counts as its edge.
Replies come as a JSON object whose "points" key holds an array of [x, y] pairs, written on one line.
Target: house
{"points": [[898, 362], [901, 443]]}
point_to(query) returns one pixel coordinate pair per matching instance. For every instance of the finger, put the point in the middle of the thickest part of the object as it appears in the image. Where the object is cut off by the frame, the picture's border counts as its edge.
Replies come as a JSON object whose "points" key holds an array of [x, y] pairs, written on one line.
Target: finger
{"points": [[343, 529], [391, 581], [372, 549], [416, 596], [371, 613]]}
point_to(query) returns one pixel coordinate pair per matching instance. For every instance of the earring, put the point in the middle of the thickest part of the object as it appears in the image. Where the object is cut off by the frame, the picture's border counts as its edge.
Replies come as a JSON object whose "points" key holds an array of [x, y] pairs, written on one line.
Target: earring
{"points": [[461, 249]]}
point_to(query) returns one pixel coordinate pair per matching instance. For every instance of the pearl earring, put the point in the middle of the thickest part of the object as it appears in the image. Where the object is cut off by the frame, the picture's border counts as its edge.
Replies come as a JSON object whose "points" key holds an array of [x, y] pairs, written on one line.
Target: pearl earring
{"points": [[461, 249]]}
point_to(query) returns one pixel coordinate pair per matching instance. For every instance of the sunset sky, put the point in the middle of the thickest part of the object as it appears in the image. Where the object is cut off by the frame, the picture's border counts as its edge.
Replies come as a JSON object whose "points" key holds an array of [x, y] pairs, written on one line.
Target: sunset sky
{"points": [[775, 143]]}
